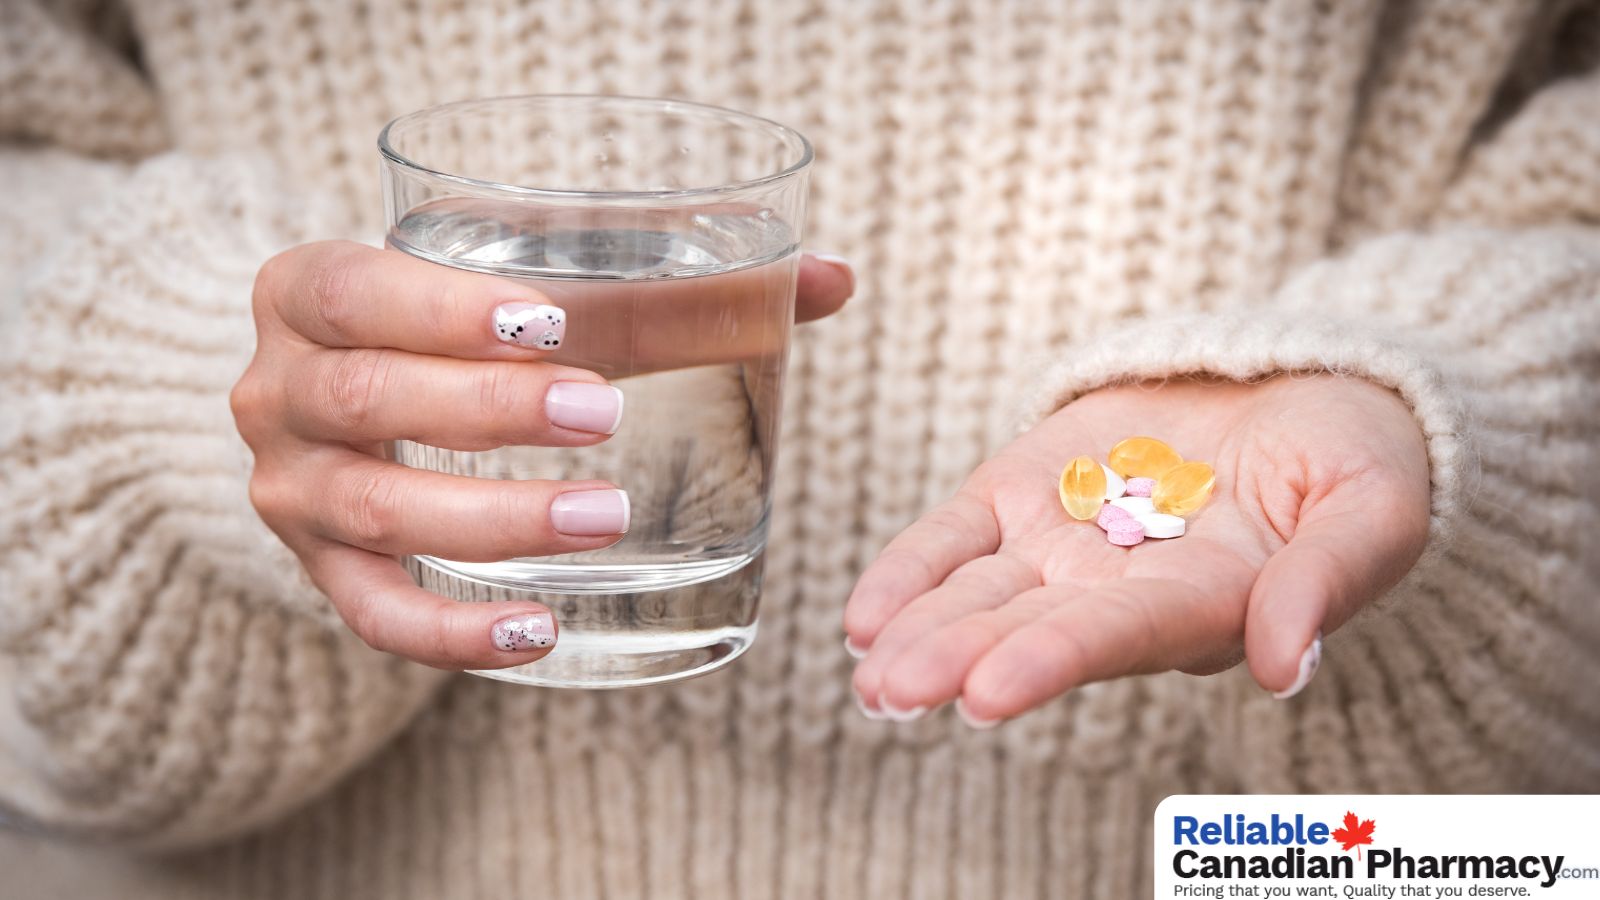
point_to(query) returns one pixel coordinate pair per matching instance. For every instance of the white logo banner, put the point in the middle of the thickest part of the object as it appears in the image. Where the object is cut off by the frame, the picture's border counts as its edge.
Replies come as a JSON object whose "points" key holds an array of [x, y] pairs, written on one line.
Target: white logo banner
{"points": [[1378, 846]]}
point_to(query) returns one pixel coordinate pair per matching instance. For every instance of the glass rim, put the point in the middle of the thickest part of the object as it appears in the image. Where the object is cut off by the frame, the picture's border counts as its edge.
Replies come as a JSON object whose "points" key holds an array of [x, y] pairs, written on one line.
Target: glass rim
{"points": [[394, 157]]}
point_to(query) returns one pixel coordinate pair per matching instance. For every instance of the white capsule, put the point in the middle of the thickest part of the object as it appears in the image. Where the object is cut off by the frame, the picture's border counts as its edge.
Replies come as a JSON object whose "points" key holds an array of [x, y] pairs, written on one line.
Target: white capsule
{"points": [[1160, 525], [1138, 506], [1115, 486]]}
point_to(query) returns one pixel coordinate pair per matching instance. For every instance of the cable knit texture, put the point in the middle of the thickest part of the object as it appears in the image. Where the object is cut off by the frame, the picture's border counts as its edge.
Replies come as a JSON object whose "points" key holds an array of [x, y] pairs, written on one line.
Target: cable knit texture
{"points": [[62, 83], [1040, 199]]}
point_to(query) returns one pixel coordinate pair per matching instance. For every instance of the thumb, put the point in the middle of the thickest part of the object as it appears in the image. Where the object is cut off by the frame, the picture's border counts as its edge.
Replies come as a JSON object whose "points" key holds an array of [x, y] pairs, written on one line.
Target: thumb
{"points": [[1348, 548], [825, 283]]}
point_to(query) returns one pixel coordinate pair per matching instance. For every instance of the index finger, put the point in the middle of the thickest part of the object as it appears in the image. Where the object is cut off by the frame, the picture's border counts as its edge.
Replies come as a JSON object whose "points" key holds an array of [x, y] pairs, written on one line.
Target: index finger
{"points": [[918, 560], [1128, 626], [344, 294]]}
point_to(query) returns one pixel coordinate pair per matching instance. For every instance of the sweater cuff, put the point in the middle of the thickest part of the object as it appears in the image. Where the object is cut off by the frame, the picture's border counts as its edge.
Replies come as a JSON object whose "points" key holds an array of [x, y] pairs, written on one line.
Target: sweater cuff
{"points": [[1491, 329], [1254, 344]]}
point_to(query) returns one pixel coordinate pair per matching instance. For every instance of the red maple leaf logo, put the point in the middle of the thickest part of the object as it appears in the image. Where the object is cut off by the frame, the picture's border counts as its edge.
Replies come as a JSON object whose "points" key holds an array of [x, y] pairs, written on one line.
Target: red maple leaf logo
{"points": [[1354, 833]]}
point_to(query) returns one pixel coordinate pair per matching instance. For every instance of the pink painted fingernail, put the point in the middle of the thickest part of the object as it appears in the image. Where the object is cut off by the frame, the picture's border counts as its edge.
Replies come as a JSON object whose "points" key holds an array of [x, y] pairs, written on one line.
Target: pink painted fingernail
{"points": [[591, 513], [840, 263], [869, 712], [897, 714], [525, 632], [1141, 487], [973, 721], [581, 406], [536, 326], [1309, 661]]}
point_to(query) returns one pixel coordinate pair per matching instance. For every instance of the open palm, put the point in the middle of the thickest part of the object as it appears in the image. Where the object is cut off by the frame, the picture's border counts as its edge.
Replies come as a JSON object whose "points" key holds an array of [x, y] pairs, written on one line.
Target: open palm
{"points": [[997, 597]]}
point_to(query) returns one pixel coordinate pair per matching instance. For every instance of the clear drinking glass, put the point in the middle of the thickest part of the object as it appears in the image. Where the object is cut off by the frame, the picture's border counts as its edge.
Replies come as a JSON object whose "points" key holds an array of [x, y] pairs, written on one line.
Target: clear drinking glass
{"points": [[669, 232]]}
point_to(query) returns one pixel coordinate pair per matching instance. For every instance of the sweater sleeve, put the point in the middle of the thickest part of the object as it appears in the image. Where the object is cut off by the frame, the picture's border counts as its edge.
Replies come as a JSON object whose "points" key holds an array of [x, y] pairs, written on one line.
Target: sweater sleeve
{"points": [[1474, 674], [1489, 334], [167, 675], [1483, 319]]}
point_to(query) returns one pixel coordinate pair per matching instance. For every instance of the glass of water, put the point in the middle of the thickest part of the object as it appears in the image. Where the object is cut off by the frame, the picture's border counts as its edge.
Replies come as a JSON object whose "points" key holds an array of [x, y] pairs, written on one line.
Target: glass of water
{"points": [[669, 232]]}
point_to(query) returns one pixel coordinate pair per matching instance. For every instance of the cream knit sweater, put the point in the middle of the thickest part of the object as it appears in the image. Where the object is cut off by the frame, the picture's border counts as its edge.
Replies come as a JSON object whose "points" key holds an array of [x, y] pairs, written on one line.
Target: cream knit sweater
{"points": [[1138, 189]]}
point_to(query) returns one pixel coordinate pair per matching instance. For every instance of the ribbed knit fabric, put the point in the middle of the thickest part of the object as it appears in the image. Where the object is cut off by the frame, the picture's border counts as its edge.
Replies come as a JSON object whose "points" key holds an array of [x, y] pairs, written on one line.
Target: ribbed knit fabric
{"points": [[1039, 199], [62, 83]]}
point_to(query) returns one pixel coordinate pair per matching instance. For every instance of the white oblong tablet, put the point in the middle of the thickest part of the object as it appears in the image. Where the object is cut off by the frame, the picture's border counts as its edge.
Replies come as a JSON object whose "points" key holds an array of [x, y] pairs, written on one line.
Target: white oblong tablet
{"points": [[1139, 506], [1161, 525], [1115, 486]]}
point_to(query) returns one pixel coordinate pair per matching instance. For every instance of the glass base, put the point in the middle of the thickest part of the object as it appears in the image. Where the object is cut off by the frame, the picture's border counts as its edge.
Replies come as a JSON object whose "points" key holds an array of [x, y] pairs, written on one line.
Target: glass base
{"points": [[614, 640], [597, 662]]}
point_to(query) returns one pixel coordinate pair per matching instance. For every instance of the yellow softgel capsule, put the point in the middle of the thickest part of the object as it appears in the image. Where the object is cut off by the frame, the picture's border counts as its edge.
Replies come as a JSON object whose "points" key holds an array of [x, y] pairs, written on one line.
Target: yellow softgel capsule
{"points": [[1083, 488], [1184, 489], [1142, 457]]}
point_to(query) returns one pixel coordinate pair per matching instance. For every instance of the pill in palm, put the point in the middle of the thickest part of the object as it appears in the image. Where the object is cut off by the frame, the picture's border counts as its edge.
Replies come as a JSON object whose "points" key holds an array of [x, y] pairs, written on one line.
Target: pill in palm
{"points": [[1183, 489], [1146, 490], [1125, 532], [1136, 506], [1161, 525], [1109, 514], [1115, 486], [1142, 457], [1082, 488]]}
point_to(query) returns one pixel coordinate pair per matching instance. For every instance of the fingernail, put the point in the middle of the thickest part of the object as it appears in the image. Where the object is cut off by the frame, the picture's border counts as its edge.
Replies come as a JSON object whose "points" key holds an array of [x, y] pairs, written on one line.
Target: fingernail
{"points": [[533, 325], [524, 632], [1309, 660], [581, 406], [973, 721], [853, 649], [868, 711], [838, 262], [591, 513], [897, 714]]}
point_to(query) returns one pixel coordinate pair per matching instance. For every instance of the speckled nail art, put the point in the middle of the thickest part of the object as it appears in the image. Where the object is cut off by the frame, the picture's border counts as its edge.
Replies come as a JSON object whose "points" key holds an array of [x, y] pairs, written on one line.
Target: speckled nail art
{"points": [[529, 632], [535, 326]]}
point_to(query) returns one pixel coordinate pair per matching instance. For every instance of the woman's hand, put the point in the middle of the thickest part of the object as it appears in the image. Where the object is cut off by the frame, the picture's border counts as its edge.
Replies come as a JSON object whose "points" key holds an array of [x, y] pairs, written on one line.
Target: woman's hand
{"points": [[358, 346], [999, 600]]}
